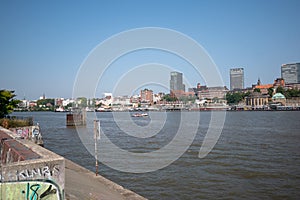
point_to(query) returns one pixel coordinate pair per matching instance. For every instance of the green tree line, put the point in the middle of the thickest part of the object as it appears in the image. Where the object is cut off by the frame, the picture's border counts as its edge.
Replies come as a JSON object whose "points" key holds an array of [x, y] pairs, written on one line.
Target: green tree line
{"points": [[236, 97], [289, 93]]}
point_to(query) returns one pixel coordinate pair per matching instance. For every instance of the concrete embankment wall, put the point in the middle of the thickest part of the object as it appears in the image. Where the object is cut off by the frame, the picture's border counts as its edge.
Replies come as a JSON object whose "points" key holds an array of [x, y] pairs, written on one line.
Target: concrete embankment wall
{"points": [[29, 171]]}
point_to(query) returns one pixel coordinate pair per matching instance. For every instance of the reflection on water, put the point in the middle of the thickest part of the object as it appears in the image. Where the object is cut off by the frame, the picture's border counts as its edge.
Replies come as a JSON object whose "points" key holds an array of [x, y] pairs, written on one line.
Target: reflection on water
{"points": [[256, 157]]}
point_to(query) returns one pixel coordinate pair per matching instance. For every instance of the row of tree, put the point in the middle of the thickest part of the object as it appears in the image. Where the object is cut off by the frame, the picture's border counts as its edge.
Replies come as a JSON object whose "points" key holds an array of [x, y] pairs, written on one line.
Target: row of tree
{"points": [[236, 97], [289, 93]]}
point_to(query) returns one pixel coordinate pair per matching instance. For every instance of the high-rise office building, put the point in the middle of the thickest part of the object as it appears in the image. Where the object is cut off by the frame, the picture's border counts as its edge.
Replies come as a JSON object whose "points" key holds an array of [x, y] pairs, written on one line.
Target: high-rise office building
{"points": [[176, 82], [290, 73], [236, 78]]}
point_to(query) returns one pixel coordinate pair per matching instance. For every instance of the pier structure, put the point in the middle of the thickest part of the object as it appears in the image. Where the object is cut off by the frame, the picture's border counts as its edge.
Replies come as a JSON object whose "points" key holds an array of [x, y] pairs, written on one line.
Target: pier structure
{"points": [[77, 118]]}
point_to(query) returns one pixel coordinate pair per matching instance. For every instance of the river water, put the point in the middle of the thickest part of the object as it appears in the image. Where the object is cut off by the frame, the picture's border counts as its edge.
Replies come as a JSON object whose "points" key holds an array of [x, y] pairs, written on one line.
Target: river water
{"points": [[256, 157]]}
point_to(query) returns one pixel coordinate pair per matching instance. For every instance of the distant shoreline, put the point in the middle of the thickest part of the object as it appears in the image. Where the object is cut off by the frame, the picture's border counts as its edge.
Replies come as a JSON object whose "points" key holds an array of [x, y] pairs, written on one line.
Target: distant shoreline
{"points": [[180, 110]]}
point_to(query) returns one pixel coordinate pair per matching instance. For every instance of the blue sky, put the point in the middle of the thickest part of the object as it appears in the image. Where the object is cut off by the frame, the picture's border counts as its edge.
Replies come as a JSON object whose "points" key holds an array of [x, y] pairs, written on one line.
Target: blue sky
{"points": [[44, 43]]}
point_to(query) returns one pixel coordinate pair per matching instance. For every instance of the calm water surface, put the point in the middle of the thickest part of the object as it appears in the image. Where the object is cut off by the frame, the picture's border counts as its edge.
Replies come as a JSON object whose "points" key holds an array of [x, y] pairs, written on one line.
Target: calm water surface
{"points": [[256, 157]]}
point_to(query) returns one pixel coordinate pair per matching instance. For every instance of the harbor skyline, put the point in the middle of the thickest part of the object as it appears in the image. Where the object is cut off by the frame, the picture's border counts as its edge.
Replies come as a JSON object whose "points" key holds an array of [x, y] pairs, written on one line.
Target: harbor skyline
{"points": [[177, 87], [43, 46]]}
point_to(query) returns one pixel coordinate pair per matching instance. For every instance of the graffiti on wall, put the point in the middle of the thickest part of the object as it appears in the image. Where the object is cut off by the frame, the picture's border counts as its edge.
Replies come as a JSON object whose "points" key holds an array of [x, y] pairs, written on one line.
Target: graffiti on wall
{"points": [[31, 190], [49, 172], [45, 171], [23, 132], [32, 183], [32, 133]]}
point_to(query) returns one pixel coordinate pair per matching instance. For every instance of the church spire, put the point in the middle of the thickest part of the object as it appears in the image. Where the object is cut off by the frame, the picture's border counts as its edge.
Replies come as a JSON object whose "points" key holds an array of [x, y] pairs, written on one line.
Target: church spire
{"points": [[258, 81]]}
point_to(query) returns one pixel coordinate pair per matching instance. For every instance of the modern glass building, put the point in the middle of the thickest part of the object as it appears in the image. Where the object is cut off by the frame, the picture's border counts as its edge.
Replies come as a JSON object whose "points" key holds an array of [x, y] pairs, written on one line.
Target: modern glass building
{"points": [[176, 82], [290, 73], [236, 78]]}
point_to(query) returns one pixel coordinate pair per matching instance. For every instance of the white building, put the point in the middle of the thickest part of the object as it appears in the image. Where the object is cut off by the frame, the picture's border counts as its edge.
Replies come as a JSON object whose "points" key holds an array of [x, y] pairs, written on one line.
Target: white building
{"points": [[65, 102]]}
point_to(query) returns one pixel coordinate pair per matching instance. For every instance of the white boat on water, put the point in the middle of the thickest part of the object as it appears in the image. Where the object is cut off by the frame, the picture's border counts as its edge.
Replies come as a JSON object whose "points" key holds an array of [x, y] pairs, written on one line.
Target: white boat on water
{"points": [[140, 115], [60, 109], [87, 109]]}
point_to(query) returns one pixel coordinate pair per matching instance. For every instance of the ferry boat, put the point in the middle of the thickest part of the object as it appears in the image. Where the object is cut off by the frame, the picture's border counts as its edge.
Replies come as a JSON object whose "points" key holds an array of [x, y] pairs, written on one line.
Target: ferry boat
{"points": [[140, 115], [60, 109]]}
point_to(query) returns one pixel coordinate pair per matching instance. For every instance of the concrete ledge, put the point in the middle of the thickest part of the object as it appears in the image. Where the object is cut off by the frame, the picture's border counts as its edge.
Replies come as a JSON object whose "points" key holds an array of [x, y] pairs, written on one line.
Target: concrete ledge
{"points": [[81, 183], [29, 171]]}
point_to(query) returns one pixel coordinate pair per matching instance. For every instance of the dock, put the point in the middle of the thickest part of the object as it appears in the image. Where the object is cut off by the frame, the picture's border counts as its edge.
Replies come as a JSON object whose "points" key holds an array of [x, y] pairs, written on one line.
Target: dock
{"points": [[76, 119]]}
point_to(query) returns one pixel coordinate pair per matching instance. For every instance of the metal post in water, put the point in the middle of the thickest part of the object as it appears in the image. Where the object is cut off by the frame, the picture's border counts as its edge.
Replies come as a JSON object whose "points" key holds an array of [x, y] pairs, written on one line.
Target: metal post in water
{"points": [[96, 137], [83, 117]]}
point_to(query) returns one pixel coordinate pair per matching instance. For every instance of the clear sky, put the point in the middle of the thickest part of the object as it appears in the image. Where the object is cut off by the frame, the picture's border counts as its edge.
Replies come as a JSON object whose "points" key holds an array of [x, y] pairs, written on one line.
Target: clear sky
{"points": [[43, 43]]}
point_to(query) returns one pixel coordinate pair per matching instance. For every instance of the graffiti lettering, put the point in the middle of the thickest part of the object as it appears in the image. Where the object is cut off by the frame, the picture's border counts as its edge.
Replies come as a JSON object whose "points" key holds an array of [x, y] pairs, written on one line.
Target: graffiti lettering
{"points": [[45, 171], [48, 192], [22, 132], [32, 193], [32, 190]]}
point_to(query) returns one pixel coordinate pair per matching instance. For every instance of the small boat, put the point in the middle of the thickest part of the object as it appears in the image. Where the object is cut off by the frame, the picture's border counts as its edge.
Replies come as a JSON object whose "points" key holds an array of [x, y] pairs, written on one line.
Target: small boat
{"points": [[140, 115], [60, 109]]}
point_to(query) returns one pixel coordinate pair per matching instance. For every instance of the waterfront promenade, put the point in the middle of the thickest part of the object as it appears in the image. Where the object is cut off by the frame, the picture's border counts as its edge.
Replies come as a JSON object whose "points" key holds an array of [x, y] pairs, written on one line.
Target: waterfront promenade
{"points": [[81, 183]]}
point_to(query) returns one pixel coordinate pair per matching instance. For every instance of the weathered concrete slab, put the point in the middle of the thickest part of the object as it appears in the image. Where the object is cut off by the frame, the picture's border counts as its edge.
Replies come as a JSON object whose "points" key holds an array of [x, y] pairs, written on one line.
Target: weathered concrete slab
{"points": [[29, 171], [81, 183]]}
